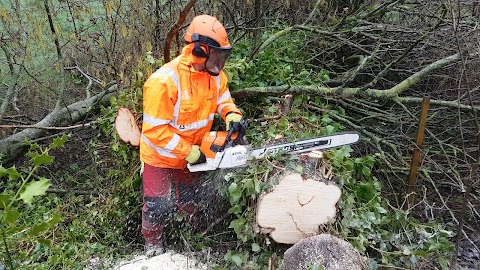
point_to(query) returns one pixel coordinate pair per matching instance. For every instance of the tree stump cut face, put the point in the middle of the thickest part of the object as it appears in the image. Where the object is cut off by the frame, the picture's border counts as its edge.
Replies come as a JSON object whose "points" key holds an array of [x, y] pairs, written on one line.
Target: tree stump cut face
{"points": [[296, 208]]}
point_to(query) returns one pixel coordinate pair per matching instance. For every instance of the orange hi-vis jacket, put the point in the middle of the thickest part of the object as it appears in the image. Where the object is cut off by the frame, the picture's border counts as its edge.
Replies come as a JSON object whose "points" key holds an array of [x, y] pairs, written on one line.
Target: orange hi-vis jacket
{"points": [[179, 104]]}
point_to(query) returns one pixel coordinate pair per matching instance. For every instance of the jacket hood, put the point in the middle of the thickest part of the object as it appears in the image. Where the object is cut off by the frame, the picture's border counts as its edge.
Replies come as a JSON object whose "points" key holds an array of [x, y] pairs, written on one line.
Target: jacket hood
{"points": [[187, 59]]}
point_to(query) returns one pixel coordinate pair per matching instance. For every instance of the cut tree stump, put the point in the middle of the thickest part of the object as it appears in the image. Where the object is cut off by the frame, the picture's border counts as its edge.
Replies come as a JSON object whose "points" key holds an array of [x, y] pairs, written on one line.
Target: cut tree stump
{"points": [[295, 208], [323, 251]]}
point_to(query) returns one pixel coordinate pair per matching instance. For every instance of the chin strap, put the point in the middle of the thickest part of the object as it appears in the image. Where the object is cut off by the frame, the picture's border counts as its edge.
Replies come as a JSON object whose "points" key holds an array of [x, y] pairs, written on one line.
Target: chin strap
{"points": [[211, 73]]}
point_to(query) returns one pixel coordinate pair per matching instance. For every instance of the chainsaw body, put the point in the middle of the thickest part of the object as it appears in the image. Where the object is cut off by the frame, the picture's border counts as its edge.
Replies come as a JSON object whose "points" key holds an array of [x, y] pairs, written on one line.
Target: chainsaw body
{"points": [[221, 152]]}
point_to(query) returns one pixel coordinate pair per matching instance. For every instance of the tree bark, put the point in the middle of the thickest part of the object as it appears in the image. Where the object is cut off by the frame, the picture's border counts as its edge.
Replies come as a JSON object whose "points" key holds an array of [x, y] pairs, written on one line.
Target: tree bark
{"points": [[10, 92]]}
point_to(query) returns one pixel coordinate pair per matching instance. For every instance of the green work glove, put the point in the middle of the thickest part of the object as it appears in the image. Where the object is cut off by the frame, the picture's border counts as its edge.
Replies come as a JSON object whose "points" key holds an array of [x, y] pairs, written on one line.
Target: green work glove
{"points": [[231, 118], [196, 156]]}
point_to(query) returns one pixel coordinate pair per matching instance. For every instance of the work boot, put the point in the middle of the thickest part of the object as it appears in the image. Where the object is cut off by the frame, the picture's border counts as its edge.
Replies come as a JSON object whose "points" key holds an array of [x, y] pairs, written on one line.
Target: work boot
{"points": [[154, 249]]}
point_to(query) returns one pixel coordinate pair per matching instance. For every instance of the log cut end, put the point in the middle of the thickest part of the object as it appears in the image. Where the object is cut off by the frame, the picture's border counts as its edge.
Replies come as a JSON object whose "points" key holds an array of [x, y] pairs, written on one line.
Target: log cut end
{"points": [[296, 207], [126, 127]]}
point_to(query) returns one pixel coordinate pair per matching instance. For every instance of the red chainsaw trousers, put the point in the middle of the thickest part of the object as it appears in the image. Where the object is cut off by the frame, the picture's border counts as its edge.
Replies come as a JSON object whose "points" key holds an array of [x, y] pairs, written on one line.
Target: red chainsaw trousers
{"points": [[164, 190]]}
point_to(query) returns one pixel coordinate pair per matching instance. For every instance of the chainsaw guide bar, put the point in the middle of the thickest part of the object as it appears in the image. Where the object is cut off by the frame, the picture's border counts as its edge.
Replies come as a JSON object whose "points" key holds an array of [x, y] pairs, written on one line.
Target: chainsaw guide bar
{"points": [[239, 155]]}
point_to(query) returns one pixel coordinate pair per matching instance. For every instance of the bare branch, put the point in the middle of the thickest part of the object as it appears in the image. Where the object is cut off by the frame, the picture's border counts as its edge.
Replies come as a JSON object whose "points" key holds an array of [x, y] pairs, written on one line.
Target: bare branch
{"points": [[61, 87], [173, 31], [46, 128]]}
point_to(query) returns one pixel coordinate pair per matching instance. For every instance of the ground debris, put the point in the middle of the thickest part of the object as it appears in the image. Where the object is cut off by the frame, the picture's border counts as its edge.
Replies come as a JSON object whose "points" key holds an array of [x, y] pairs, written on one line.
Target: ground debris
{"points": [[166, 261]]}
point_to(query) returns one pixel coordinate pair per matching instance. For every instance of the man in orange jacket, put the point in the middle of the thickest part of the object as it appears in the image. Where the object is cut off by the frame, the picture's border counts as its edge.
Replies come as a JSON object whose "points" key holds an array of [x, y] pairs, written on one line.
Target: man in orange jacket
{"points": [[179, 103]]}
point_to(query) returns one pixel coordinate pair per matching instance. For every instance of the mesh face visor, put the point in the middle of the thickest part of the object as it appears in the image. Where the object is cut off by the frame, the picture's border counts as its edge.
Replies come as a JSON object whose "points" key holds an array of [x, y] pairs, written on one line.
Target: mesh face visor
{"points": [[216, 60]]}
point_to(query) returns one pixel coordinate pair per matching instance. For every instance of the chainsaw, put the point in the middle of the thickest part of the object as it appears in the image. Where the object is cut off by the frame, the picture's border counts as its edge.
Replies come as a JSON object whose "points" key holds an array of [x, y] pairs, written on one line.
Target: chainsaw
{"points": [[224, 149]]}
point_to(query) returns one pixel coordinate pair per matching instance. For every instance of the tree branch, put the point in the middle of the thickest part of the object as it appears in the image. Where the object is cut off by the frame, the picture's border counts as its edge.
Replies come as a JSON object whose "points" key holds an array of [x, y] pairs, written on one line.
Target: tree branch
{"points": [[391, 93], [174, 30], [61, 87], [46, 128]]}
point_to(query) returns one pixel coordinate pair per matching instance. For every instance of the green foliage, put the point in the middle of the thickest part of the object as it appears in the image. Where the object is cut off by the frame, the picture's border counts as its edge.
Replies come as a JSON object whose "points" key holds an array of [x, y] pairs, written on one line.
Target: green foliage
{"points": [[299, 125], [311, 266], [390, 236], [131, 98], [93, 224], [243, 188], [279, 64], [242, 191], [16, 203], [34, 235]]}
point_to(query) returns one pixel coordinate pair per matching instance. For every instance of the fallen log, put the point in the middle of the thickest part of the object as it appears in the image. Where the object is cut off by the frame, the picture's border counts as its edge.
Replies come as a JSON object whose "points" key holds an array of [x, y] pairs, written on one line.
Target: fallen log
{"points": [[12, 146]]}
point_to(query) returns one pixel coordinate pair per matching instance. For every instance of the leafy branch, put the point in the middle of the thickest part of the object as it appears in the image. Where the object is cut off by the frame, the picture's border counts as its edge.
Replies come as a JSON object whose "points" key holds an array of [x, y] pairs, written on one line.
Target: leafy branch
{"points": [[10, 209]]}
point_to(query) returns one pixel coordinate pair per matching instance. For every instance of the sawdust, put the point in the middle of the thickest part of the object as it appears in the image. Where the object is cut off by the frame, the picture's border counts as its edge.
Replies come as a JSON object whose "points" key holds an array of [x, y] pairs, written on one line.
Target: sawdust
{"points": [[166, 261]]}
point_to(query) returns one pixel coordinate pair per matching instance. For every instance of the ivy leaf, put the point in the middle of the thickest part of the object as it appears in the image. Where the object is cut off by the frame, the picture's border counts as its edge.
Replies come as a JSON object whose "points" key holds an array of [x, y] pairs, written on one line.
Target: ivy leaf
{"points": [[348, 164], [443, 263], [11, 216], [365, 191], [304, 74], [11, 172], [39, 228], [4, 200], [32, 146], [326, 119], [45, 242], [42, 159], [58, 142], [236, 259], [236, 209], [297, 100], [257, 187], [381, 210], [378, 185], [237, 225], [343, 152], [283, 124], [35, 188], [255, 247], [54, 220], [366, 171], [330, 129], [235, 192]]}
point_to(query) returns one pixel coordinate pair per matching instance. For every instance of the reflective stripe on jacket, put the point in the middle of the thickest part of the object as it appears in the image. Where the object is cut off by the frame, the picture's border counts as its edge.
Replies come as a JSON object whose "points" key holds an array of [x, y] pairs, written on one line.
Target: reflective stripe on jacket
{"points": [[179, 105]]}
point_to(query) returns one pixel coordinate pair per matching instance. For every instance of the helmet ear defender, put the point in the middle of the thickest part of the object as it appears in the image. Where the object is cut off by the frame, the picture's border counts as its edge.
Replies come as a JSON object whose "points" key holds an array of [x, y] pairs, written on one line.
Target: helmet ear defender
{"points": [[197, 49]]}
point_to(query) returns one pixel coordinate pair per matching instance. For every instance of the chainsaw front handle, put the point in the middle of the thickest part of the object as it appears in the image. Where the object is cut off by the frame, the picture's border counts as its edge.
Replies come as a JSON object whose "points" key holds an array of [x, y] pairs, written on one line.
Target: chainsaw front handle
{"points": [[241, 128]]}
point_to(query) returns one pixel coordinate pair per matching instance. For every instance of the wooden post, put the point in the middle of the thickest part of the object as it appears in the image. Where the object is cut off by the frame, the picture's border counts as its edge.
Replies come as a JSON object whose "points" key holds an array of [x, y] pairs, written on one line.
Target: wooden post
{"points": [[412, 176], [287, 104]]}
